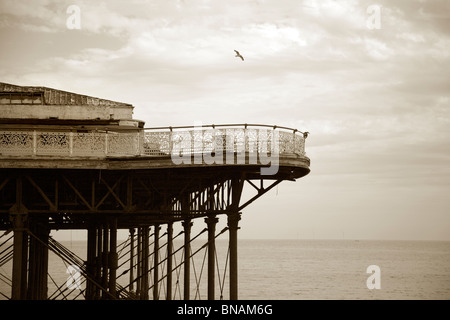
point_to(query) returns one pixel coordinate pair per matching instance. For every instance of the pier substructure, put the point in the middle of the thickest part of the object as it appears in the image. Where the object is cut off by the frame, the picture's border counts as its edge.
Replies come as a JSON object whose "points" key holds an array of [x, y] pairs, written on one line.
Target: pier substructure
{"points": [[103, 202]]}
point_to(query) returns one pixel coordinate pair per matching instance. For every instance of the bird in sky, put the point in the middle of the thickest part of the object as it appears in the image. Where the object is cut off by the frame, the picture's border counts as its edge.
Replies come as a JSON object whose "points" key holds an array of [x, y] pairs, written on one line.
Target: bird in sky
{"points": [[239, 55]]}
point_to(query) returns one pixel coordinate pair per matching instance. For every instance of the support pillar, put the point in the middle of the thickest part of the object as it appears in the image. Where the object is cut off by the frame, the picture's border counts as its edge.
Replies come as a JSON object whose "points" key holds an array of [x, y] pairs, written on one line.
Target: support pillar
{"points": [[139, 262], [18, 215], [169, 260], [233, 221], [19, 269], [105, 268], [155, 263], [112, 257], [91, 261], [144, 263], [211, 222], [187, 224], [99, 261], [132, 259], [38, 259]]}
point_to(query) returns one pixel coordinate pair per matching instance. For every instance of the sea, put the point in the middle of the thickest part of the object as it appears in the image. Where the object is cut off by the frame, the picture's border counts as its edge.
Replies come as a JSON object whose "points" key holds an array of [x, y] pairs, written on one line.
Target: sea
{"points": [[289, 270]]}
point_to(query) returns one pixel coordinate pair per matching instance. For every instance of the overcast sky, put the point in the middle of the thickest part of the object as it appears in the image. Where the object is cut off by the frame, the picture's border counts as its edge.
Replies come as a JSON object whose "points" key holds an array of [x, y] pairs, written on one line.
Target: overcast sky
{"points": [[374, 97]]}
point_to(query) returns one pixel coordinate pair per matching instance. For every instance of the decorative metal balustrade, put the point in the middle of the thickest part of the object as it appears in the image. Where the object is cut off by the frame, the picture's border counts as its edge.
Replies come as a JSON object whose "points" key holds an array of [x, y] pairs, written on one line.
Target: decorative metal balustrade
{"points": [[163, 141]]}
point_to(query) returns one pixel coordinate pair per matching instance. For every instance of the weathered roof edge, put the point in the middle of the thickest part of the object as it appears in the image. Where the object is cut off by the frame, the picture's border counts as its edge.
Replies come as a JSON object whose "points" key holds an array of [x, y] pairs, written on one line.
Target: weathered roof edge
{"points": [[61, 97]]}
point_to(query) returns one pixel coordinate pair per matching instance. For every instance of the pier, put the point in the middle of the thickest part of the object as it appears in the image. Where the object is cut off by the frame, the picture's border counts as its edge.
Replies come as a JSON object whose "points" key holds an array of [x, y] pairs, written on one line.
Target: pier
{"points": [[75, 162]]}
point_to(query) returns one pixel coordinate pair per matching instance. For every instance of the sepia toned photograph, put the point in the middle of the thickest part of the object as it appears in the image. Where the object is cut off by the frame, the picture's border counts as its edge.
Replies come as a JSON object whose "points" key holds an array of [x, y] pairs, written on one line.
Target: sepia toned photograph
{"points": [[255, 151]]}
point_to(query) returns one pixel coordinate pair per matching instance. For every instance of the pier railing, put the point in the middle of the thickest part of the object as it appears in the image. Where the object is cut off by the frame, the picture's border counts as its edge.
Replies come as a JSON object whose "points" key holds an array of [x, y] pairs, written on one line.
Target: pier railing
{"points": [[160, 141]]}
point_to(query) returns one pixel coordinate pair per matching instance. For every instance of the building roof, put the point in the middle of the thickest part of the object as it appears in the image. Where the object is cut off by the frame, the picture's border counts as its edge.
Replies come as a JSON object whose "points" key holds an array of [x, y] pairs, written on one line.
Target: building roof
{"points": [[50, 96]]}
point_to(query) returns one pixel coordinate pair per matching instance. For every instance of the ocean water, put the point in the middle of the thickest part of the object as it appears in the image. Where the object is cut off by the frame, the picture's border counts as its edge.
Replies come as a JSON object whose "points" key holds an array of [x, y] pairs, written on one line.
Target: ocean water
{"points": [[297, 270], [337, 269]]}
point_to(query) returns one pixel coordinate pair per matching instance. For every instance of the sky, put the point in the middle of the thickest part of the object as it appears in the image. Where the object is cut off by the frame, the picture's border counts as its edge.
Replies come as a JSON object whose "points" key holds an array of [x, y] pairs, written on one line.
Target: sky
{"points": [[368, 79]]}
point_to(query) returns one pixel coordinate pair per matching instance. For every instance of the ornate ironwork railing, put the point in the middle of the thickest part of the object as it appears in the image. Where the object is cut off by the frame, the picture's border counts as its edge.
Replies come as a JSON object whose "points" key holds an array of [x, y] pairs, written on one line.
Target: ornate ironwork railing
{"points": [[161, 141]]}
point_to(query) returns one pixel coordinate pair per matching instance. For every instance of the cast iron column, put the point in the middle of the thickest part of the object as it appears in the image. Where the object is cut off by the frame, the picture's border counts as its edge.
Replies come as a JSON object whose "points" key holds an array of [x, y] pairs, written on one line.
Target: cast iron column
{"points": [[169, 259], [18, 215], [112, 255], [155, 263], [233, 220], [187, 224], [132, 259], [211, 222], [90, 263]]}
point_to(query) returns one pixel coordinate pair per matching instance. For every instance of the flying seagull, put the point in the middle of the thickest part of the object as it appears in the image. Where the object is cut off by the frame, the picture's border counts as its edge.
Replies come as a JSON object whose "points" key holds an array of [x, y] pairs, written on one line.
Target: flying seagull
{"points": [[239, 55]]}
